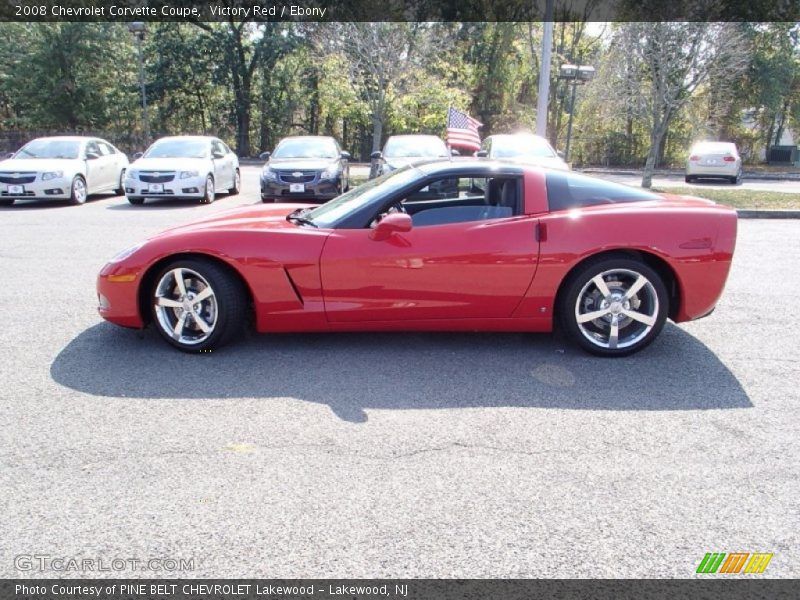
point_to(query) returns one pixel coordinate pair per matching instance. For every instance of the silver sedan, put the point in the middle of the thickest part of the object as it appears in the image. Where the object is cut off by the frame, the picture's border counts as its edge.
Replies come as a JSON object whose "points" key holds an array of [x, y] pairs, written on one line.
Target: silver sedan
{"points": [[62, 168]]}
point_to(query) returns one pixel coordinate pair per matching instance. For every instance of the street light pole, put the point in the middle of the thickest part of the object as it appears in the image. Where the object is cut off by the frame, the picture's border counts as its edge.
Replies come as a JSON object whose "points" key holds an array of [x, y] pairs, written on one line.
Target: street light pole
{"points": [[137, 29], [575, 74], [569, 123]]}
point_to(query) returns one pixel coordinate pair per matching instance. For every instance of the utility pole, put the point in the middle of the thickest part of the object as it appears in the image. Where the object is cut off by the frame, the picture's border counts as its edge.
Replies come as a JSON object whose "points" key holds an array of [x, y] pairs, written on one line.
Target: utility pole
{"points": [[544, 71], [137, 29]]}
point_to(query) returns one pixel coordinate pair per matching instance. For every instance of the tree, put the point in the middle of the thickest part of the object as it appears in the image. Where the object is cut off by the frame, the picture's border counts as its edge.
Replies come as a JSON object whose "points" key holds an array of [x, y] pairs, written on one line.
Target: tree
{"points": [[242, 47], [670, 61]]}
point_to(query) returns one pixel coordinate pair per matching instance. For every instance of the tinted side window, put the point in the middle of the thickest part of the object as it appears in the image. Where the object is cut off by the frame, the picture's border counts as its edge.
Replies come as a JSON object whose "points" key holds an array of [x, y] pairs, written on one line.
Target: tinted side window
{"points": [[92, 148], [106, 149], [570, 190]]}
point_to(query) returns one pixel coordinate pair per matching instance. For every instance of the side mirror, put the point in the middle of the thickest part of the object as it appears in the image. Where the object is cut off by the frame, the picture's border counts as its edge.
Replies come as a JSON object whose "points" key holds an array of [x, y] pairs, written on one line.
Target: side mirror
{"points": [[392, 223], [560, 154], [137, 155], [377, 155], [9, 155], [346, 155], [264, 156], [92, 155], [482, 153], [454, 152], [217, 154]]}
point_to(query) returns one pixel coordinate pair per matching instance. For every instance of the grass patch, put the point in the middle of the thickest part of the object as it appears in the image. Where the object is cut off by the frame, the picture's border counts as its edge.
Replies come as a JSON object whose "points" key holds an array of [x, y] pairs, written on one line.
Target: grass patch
{"points": [[739, 198]]}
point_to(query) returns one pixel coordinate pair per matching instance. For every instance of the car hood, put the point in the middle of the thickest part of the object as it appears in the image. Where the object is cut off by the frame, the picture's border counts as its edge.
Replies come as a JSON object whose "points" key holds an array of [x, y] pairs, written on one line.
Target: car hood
{"points": [[400, 162], [540, 161], [39, 164], [170, 164], [301, 164], [239, 219]]}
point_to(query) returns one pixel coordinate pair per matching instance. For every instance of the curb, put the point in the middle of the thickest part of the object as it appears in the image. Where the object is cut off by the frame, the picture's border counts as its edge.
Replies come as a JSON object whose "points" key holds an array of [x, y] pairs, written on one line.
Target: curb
{"points": [[747, 213], [745, 174]]}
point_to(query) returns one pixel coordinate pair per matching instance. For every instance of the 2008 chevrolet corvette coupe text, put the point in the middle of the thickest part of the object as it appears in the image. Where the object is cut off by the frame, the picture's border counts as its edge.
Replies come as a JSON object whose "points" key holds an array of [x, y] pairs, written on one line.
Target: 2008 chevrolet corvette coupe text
{"points": [[450, 245]]}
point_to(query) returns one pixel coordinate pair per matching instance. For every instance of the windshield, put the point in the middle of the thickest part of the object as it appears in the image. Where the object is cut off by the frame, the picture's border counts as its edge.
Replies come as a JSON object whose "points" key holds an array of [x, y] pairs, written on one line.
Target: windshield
{"points": [[521, 146], [178, 149], [306, 148], [405, 147], [713, 147], [50, 149], [329, 213]]}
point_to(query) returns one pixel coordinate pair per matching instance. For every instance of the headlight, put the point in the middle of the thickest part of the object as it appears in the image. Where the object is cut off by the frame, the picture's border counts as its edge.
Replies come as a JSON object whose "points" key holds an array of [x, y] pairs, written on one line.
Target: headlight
{"points": [[126, 253], [133, 174], [269, 174], [332, 172], [188, 174], [52, 175]]}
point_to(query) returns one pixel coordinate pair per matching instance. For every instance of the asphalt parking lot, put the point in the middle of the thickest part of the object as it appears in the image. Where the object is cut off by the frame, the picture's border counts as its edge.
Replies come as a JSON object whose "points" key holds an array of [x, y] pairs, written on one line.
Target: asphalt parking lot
{"points": [[382, 455]]}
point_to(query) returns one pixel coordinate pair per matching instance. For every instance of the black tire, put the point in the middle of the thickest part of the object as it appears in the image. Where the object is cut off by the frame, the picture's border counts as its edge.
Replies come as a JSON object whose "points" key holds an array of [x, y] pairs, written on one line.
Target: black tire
{"points": [[582, 295], [6, 201], [121, 189], [228, 293], [78, 196], [737, 179], [688, 179], [267, 199], [237, 184], [209, 192], [136, 200]]}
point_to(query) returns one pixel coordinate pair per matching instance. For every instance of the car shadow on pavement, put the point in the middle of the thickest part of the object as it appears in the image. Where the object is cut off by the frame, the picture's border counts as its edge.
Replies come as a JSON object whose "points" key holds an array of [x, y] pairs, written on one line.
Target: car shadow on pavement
{"points": [[45, 204], [357, 371]]}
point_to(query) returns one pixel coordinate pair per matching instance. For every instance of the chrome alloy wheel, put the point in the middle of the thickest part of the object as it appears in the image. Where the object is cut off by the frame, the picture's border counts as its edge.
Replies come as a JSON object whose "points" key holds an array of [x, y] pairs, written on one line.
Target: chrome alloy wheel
{"points": [[79, 192], [616, 308], [185, 306]]}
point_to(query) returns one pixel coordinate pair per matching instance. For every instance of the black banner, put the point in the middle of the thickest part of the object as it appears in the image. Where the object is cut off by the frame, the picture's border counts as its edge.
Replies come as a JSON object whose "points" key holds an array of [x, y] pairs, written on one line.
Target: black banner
{"points": [[398, 10], [400, 589]]}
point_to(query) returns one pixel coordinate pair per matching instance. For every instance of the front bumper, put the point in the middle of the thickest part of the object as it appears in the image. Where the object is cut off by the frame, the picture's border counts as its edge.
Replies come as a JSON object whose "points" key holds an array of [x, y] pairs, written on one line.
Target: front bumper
{"points": [[117, 295], [190, 187], [319, 190], [59, 188]]}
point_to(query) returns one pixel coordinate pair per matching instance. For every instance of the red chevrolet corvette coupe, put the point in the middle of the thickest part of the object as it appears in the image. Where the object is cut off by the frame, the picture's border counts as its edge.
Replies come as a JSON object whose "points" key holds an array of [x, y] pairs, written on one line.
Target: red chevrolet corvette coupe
{"points": [[445, 246]]}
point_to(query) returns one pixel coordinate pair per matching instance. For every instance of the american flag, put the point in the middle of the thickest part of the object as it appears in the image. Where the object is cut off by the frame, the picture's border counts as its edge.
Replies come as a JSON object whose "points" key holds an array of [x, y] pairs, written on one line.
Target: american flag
{"points": [[462, 130]]}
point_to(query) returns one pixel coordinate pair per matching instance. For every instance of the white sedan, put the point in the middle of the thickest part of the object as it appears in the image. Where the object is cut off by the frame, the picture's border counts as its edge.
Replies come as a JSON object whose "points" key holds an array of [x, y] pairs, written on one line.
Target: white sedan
{"points": [[62, 168], [184, 167], [523, 148], [714, 159]]}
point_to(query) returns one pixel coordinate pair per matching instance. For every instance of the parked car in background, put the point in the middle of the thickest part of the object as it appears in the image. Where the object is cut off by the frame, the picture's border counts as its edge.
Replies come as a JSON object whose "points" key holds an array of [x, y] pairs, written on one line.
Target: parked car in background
{"points": [[186, 166], [311, 167], [714, 160], [512, 248], [523, 148], [402, 150], [62, 168]]}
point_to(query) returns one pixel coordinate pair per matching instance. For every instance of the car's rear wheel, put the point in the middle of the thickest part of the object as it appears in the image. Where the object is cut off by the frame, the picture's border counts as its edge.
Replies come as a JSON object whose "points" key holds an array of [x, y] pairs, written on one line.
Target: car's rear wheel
{"points": [[197, 306], [614, 306], [737, 178], [688, 179], [6, 201], [209, 193], [237, 183], [121, 189], [136, 200], [78, 191]]}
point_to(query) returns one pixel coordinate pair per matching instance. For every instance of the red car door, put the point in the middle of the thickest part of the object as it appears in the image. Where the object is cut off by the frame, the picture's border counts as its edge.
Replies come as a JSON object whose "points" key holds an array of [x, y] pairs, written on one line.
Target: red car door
{"points": [[478, 268]]}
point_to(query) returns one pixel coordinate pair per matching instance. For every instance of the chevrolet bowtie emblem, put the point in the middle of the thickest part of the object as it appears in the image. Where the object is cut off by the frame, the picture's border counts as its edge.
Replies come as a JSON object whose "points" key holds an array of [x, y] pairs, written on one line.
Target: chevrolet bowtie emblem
{"points": [[297, 174]]}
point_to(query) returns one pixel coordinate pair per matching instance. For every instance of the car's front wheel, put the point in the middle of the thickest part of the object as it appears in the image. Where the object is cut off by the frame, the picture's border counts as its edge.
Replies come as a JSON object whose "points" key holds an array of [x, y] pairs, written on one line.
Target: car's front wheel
{"points": [[237, 183], [210, 193], [78, 191], [197, 305], [6, 201], [614, 306]]}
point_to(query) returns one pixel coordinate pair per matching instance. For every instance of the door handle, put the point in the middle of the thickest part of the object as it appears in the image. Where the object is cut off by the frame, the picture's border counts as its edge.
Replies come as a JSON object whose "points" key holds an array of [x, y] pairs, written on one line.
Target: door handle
{"points": [[540, 232]]}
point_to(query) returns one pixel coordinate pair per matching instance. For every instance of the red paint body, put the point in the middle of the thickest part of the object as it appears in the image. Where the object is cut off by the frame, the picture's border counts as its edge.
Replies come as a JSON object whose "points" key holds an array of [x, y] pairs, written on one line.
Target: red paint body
{"points": [[499, 274]]}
